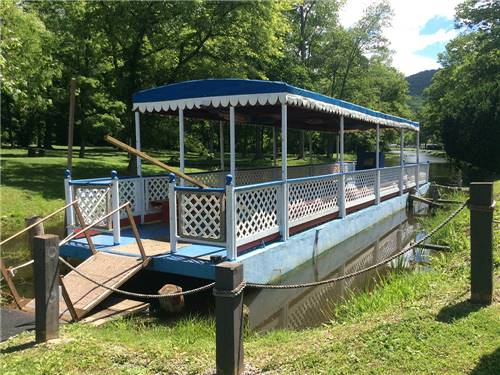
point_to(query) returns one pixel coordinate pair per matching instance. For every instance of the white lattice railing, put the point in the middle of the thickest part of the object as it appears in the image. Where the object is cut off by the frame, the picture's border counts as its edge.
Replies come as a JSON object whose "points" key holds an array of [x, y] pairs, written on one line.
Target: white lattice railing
{"points": [[238, 215], [360, 187], [200, 214], [312, 198], [94, 201], [256, 212]]}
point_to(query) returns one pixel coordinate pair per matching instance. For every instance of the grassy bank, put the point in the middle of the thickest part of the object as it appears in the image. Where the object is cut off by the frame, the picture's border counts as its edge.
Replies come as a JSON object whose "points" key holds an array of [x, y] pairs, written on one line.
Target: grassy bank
{"points": [[413, 322]]}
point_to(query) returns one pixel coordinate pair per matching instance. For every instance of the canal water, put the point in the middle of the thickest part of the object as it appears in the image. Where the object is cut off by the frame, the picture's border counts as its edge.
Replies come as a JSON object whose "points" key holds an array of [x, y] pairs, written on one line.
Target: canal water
{"points": [[308, 307]]}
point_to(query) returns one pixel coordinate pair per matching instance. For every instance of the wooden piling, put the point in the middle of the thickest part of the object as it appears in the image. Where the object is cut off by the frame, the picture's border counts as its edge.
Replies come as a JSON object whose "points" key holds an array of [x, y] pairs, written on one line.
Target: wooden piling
{"points": [[46, 267], [228, 318], [36, 229], [481, 241]]}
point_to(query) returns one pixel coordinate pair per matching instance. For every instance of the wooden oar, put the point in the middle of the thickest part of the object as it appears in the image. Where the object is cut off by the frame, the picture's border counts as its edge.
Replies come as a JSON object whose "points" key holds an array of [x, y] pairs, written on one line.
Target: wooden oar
{"points": [[156, 162]]}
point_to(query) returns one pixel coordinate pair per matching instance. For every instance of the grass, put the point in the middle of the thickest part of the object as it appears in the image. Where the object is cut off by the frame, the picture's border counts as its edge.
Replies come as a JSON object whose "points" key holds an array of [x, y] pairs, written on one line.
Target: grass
{"points": [[412, 322]]}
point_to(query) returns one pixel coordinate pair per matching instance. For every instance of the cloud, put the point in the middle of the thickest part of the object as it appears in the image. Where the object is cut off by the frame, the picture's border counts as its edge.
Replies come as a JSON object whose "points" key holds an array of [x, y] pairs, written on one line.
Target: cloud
{"points": [[415, 26]]}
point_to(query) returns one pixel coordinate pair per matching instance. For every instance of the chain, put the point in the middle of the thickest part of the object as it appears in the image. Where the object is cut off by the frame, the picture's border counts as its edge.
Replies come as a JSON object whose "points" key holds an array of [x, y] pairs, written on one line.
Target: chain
{"points": [[138, 295], [239, 289], [353, 274]]}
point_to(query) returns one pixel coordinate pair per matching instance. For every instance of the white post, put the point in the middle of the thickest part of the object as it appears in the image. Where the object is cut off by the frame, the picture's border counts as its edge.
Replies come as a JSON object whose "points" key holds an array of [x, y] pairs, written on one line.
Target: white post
{"points": [[140, 199], [377, 165], [68, 193], [275, 147], [232, 144], [221, 144], [401, 160], [181, 143], [115, 203], [417, 173], [284, 175], [337, 145], [172, 213], [341, 198], [310, 148], [138, 142], [231, 249]]}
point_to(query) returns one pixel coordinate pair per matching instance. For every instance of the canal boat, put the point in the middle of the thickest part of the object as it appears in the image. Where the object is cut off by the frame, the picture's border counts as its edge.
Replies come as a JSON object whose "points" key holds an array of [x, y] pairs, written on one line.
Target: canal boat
{"points": [[270, 219]]}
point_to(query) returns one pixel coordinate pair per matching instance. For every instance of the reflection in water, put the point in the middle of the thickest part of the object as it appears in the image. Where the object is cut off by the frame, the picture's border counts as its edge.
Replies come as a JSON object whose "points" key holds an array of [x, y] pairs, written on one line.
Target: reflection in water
{"points": [[301, 308]]}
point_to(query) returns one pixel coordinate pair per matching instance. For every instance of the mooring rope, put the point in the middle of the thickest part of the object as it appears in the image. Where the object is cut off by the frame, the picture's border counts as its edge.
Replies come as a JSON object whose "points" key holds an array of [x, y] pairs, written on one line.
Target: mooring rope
{"points": [[138, 295], [239, 289], [372, 267]]}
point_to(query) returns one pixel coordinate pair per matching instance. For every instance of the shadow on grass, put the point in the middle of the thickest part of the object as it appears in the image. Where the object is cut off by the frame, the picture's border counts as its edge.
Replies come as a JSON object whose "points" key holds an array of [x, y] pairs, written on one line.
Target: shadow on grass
{"points": [[18, 348], [488, 364], [460, 310]]}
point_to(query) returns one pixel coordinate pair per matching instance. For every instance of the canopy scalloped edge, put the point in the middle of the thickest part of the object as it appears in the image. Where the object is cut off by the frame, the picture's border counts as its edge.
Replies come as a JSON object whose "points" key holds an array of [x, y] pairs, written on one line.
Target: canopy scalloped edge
{"points": [[268, 99]]}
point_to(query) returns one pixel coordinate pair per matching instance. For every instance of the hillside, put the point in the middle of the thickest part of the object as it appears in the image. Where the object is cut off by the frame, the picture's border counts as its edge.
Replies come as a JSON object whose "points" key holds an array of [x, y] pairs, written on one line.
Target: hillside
{"points": [[418, 82]]}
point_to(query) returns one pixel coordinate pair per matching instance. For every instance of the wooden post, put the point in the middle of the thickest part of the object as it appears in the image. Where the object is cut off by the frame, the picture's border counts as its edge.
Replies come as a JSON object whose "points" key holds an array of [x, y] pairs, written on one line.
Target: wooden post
{"points": [[135, 231], [81, 220], [228, 319], [46, 267], [36, 230], [67, 300], [71, 125], [481, 241]]}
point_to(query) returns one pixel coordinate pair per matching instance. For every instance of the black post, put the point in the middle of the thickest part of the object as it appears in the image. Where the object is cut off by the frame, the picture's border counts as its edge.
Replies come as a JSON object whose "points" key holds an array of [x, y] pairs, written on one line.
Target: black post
{"points": [[228, 319], [46, 272], [481, 242]]}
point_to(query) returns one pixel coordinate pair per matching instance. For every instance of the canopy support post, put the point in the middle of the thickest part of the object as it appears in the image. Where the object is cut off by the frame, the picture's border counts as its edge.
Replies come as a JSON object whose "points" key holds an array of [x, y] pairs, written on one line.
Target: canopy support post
{"points": [[181, 143], [275, 147], [417, 177], [221, 145], [341, 200], [138, 142], [141, 199], [232, 145], [338, 146], [284, 175], [310, 148], [377, 165], [401, 161]]}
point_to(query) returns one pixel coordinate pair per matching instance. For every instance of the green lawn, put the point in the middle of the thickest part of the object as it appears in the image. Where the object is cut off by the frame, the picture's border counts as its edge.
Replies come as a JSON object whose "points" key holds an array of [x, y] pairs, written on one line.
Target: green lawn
{"points": [[412, 323]]}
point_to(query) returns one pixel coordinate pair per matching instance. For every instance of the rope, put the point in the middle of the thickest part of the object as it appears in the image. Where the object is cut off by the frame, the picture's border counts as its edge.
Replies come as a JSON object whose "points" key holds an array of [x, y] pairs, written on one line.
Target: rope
{"points": [[239, 289], [138, 295], [353, 274]]}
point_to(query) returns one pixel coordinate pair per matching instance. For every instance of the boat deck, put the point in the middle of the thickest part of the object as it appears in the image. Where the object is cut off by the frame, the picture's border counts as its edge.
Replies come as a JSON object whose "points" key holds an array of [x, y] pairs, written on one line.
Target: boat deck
{"points": [[189, 259]]}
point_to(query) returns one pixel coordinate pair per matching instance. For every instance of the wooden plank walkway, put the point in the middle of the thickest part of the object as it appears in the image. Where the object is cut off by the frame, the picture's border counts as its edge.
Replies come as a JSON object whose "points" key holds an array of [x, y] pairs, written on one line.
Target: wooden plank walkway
{"points": [[109, 269]]}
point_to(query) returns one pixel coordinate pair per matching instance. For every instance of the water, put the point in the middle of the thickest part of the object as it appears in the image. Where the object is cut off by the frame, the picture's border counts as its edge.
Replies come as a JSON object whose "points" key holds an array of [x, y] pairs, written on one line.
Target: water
{"points": [[308, 307]]}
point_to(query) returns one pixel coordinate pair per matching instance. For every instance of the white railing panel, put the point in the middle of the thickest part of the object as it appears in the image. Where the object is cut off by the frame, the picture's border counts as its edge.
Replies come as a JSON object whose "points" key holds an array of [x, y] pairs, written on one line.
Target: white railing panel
{"points": [[389, 180], [424, 173], [201, 215], [311, 199], [256, 213], [129, 192], [360, 187], [155, 189], [409, 176], [94, 202]]}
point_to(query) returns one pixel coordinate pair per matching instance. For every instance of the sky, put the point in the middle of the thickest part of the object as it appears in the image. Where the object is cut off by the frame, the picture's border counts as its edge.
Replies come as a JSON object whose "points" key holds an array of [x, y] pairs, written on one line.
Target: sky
{"points": [[420, 30]]}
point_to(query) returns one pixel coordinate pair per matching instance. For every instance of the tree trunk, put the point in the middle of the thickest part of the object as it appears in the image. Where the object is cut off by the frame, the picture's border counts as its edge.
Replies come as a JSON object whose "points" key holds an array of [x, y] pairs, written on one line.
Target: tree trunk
{"points": [[330, 145]]}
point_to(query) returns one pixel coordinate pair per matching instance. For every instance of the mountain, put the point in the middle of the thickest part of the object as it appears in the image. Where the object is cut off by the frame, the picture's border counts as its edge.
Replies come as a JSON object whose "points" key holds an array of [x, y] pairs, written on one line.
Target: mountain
{"points": [[418, 82]]}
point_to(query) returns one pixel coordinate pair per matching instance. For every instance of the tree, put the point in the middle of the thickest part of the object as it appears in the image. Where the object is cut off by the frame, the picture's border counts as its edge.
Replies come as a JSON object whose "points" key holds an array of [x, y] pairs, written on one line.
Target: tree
{"points": [[28, 71], [463, 101]]}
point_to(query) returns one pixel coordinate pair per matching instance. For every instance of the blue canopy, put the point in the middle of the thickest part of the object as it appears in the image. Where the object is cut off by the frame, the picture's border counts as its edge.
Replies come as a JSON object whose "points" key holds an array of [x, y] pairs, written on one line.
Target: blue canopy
{"points": [[204, 96]]}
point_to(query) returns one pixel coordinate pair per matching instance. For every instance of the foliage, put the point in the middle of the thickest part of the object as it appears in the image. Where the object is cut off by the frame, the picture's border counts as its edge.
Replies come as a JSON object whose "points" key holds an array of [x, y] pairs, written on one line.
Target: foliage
{"points": [[463, 101], [114, 49]]}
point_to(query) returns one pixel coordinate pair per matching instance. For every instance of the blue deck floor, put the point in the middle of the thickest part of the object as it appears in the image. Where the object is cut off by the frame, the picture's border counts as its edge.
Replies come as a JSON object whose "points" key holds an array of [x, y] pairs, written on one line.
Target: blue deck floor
{"points": [[191, 260]]}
